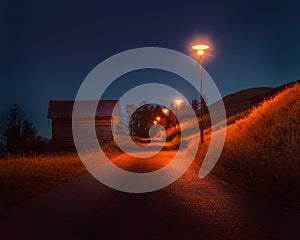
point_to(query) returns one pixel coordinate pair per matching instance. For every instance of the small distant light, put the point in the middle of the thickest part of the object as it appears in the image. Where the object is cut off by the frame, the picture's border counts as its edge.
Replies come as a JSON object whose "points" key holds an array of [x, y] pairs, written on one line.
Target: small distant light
{"points": [[154, 122], [178, 101], [165, 111], [158, 118]]}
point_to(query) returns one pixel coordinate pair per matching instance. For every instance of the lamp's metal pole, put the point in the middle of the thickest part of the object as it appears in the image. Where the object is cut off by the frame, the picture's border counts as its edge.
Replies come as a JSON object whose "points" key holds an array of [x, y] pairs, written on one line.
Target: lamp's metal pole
{"points": [[178, 112], [200, 51], [201, 104]]}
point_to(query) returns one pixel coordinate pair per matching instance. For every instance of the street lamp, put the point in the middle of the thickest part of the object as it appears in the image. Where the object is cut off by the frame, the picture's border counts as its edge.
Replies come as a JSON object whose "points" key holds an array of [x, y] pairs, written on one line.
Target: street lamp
{"points": [[158, 118], [165, 111], [200, 51], [178, 102]]}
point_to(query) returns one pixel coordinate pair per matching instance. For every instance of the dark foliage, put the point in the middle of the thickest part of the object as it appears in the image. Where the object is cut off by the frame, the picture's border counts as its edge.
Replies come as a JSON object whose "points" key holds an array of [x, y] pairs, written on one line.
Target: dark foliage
{"points": [[142, 119], [16, 132], [196, 105]]}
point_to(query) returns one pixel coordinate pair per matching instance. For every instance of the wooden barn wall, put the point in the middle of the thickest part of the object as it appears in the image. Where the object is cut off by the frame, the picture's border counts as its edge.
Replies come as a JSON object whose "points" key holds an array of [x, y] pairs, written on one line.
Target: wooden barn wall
{"points": [[62, 130]]}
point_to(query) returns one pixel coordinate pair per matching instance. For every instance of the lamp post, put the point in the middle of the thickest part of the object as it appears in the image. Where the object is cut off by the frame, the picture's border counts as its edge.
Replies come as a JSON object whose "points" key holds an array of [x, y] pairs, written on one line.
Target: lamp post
{"points": [[166, 112], [200, 51], [178, 103]]}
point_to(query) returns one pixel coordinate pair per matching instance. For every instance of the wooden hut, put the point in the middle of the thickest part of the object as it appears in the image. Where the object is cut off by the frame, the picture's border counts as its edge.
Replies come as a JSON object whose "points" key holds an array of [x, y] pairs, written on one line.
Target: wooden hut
{"points": [[60, 113]]}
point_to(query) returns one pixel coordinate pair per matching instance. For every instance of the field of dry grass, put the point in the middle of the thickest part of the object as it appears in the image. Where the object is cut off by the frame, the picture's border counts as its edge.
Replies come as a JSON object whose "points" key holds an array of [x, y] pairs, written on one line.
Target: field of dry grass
{"points": [[25, 176], [261, 152], [22, 177]]}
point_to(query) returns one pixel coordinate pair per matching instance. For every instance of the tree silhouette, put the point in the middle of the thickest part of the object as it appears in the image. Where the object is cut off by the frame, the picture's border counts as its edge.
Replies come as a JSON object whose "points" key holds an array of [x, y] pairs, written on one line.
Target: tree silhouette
{"points": [[196, 105], [142, 119], [16, 131], [2, 149]]}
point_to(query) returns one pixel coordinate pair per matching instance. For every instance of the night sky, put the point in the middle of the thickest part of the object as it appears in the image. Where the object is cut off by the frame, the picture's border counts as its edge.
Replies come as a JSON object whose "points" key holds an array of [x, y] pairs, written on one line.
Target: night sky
{"points": [[48, 47]]}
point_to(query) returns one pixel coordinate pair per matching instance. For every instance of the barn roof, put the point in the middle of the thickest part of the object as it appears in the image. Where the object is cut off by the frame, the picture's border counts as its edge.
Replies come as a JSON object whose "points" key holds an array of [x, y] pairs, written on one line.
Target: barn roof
{"points": [[62, 109]]}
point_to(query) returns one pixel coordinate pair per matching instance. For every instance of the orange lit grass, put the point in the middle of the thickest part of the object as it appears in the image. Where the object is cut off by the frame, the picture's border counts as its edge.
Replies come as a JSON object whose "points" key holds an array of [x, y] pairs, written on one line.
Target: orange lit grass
{"points": [[261, 151], [22, 177]]}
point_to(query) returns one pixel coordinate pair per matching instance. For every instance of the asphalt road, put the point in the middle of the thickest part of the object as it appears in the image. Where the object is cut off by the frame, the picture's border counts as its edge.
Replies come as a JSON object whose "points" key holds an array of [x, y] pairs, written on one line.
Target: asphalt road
{"points": [[190, 208]]}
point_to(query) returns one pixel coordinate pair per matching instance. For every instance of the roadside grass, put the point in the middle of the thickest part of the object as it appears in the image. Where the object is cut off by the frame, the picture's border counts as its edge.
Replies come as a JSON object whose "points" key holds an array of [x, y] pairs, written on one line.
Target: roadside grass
{"points": [[261, 152], [22, 177]]}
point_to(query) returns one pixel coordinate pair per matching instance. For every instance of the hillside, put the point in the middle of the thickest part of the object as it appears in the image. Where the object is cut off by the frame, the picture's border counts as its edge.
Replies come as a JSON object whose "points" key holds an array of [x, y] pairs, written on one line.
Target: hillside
{"points": [[238, 105], [261, 152], [241, 101]]}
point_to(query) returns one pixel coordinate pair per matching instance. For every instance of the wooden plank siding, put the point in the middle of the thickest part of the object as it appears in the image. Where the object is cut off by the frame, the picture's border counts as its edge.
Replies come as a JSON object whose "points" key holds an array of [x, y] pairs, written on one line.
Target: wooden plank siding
{"points": [[60, 113]]}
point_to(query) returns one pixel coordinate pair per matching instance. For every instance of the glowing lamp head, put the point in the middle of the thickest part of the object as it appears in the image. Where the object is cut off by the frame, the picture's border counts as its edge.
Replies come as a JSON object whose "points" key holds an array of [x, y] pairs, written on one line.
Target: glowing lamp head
{"points": [[158, 118], [154, 122], [165, 111], [200, 52], [200, 48], [178, 102]]}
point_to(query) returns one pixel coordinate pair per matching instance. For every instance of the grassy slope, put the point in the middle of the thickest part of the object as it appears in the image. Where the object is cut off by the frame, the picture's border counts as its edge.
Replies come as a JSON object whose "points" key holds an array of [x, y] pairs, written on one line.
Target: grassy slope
{"points": [[237, 106], [261, 152], [239, 102]]}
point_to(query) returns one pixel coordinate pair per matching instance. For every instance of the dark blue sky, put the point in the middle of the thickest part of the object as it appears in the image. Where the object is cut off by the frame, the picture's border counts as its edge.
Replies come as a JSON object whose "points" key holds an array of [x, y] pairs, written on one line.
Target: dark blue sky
{"points": [[48, 47]]}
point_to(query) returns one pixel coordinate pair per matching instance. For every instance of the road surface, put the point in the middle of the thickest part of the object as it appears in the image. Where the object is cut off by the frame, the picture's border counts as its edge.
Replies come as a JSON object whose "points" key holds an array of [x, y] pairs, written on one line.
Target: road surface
{"points": [[190, 208]]}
